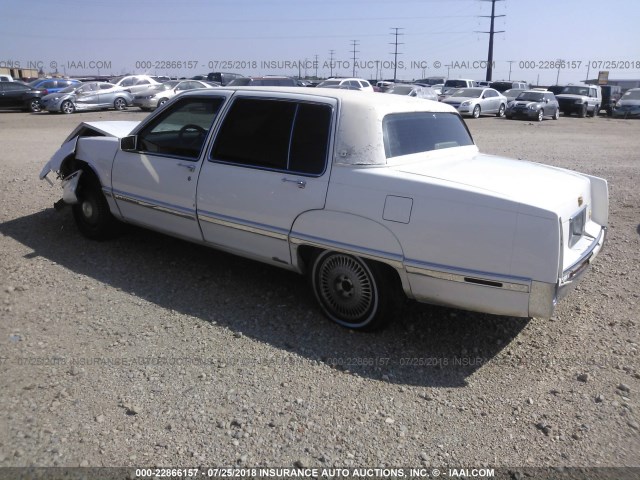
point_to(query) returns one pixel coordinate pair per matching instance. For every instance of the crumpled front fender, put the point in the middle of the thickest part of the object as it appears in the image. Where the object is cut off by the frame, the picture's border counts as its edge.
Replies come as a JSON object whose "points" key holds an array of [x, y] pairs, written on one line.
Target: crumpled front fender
{"points": [[54, 164]]}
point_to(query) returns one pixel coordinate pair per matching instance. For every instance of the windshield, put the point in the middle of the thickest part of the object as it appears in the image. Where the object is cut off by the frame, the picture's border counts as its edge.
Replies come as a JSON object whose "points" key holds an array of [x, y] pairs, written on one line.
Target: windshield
{"points": [[70, 89], [468, 92], [531, 97], [400, 90], [632, 95], [407, 133], [328, 83], [573, 90]]}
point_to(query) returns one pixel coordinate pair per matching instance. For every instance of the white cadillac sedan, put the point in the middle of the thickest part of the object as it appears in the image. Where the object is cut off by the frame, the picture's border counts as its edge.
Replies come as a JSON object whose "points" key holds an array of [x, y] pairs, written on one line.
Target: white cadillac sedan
{"points": [[373, 197]]}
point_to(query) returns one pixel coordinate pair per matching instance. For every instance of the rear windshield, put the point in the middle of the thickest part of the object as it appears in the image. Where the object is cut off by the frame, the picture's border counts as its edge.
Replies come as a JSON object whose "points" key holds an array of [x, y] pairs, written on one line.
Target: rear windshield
{"points": [[415, 132]]}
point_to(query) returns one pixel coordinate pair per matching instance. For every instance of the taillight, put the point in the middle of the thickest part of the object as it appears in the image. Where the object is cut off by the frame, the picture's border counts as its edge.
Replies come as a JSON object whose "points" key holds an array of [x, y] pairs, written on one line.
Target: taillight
{"points": [[45, 92]]}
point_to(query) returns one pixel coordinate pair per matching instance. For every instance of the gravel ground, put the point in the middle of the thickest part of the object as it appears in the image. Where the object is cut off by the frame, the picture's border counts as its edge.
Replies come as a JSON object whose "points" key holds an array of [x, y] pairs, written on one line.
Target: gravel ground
{"points": [[150, 351]]}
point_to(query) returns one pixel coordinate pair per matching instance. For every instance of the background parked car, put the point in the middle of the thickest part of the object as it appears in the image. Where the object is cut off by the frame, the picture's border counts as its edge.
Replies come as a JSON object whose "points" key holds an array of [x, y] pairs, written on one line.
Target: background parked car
{"points": [[136, 83], [580, 99], [629, 104], [534, 104], [263, 82], [158, 95], [503, 85], [223, 78], [610, 96], [355, 83], [477, 101], [88, 96], [413, 91], [20, 95], [53, 85]]}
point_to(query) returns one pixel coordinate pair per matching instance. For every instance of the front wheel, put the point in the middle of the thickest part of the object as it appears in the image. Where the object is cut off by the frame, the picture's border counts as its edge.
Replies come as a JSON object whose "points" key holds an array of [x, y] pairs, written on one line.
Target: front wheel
{"points": [[352, 292], [120, 104], [67, 107], [476, 112], [501, 110], [540, 115], [583, 111], [91, 214]]}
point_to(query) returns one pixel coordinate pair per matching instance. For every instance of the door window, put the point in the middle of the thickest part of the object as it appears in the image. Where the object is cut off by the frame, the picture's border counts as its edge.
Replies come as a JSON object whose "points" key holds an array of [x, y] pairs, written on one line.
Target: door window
{"points": [[274, 134], [182, 130]]}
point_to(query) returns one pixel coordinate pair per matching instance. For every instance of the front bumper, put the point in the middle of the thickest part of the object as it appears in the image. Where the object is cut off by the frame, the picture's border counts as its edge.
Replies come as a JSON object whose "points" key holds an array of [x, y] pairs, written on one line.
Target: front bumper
{"points": [[145, 102], [521, 113]]}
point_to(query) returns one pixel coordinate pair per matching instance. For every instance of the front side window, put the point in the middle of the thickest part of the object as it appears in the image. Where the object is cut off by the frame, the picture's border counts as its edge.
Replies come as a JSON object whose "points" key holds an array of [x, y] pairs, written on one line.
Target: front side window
{"points": [[408, 133], [274, 134], [182, 130]]}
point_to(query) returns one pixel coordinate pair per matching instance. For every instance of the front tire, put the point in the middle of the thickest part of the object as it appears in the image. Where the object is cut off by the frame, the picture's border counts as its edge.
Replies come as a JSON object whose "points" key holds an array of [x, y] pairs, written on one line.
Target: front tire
{"points": [[91, 214], [583, 111], [476, 112], [67, 107], [540, 115], [352, 292], [120, 104]]}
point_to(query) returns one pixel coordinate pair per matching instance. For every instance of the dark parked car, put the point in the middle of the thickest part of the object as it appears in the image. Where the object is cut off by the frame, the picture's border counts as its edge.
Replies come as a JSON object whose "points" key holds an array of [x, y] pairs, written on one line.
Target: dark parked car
{"points": [[610, 96], [20, 95], [223, 78], [53, 85], [534, 104], [263, 82]]}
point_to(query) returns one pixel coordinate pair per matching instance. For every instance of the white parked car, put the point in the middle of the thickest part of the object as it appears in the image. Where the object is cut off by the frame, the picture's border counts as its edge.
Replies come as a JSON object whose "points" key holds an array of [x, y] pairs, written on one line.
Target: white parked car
{"points": [[477, 101], [136, 83], [347, 83], [158, 95], [374, 197]]}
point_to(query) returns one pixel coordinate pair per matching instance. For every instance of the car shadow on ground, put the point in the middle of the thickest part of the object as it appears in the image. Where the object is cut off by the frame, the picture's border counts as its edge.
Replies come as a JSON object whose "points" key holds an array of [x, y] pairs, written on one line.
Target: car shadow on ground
{"points": [[425, 346]]}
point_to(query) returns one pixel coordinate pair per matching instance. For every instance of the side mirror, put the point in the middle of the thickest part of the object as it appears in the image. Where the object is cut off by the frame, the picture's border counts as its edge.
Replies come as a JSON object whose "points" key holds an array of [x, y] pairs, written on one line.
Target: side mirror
{"points": [[129, 144]]}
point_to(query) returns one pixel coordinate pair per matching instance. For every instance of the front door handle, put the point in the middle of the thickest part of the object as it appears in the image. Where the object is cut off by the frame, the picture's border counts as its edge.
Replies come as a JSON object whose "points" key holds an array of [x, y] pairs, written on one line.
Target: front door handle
{"points": [[189, 166], [300, 183]]}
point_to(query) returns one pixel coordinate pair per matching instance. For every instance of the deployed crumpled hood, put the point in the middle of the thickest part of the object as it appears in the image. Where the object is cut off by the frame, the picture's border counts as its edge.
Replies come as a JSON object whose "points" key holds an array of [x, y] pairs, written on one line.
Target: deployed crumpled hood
{"points": [[113, 128], [521, 181]]}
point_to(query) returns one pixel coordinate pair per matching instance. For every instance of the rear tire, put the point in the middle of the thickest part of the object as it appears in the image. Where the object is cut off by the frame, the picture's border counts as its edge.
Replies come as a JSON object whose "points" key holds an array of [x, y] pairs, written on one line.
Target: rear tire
{"points": [[352, 292], [556, 116], [595, 112], [120, 104], [501, 110], [35, 105], [91, 214]]}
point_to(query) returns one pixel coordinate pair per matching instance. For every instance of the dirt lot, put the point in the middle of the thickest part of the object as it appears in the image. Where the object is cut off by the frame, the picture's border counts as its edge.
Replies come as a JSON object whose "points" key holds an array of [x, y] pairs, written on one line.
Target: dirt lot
{"points": [[150, 351]]}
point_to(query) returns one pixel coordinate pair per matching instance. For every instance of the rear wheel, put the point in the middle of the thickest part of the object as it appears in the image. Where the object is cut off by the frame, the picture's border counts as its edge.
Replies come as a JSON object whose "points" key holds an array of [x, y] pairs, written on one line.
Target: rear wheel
{"points": [[352, 292], [35, 105], [501, 110], [67, 107], [556, 115], [596, 110], [91, 214], [120, 103]]}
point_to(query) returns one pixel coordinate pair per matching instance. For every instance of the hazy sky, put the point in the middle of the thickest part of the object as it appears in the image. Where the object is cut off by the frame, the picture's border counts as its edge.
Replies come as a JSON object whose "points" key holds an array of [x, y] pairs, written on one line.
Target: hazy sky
{"points": [[84, 37]]}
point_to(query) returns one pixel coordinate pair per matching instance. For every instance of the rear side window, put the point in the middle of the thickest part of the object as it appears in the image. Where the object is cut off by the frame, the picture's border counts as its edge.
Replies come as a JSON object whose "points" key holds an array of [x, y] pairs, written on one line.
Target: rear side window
{"points": [[275, 134], [407, 133]]}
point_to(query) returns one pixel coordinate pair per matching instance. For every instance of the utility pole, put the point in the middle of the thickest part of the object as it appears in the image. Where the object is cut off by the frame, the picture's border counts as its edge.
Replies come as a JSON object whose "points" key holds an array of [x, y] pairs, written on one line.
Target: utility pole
{"points": [[491, 32], [395, 52], [316, 64], [510, 63], [331, 52], [354, 44]]}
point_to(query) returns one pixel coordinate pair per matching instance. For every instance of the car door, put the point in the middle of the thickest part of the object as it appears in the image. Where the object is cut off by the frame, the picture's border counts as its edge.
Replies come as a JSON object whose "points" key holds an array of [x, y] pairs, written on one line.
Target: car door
{"points": [[491, 101], [154, 182], [13, 94], [87, 96], [268, 164]]}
